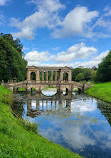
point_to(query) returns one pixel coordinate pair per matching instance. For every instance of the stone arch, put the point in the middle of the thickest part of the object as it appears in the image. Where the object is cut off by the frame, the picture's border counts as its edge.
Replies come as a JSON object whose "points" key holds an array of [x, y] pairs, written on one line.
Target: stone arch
{"points": [[17, 89], [33, 76], [48, 86], [65, 76], [20, 89]]}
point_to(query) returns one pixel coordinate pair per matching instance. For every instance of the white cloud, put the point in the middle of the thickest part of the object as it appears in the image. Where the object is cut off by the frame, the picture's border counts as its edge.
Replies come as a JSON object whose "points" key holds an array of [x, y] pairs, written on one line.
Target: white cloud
{"points": [[3, 2], [46, 16], [75, 52], [35, 57], [107, 10], [76, 22], [101, 56], [87, 57], [81, 106], [49, 5], [103, 23], [94, 62]]}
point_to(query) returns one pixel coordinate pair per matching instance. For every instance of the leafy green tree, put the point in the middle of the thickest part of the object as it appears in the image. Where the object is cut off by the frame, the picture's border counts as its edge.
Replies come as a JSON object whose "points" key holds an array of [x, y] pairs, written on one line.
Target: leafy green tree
{"points": [[75, 72], [15, 43], [12, 63], [87, 72], [104, 69], [93, 75], [79, 77]]}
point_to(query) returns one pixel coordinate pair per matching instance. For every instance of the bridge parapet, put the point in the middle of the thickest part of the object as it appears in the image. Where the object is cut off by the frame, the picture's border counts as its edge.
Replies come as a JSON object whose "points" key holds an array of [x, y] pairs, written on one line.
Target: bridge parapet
{"points": [[28, 85]]}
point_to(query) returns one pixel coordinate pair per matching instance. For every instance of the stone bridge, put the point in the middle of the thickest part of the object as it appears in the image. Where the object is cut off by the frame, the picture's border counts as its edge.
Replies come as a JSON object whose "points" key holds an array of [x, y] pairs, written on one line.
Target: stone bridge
{"points": [[42, 77]]}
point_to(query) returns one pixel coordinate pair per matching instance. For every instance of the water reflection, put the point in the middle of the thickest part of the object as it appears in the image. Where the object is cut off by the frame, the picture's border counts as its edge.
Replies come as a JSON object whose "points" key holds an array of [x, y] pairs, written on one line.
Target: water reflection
{"points": [[77, 122]]}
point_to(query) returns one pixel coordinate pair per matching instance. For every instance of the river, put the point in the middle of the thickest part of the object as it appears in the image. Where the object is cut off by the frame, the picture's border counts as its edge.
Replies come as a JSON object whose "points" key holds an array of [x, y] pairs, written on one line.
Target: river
{"points": [[78, 122]]}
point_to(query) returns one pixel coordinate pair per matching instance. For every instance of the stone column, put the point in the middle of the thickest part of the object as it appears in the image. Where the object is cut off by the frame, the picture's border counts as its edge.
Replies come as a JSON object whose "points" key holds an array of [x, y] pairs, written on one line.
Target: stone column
{"points": [[42, 105], [69, 76], [51, 75], [42, 75], [51, 104], [2, 83], [28, 75], [46, 75], [55, 75], [55, 104], [46, 105], [60, 76], [37, 104], [37, 76]]}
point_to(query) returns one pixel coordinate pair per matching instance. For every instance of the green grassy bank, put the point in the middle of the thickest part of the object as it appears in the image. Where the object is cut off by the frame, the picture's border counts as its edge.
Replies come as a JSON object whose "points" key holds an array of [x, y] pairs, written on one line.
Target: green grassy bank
{"points": [[101, 91], [20, 141]]}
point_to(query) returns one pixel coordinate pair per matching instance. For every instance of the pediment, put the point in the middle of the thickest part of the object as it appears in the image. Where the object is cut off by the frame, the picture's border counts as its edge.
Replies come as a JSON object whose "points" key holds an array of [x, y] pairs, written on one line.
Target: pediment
{"points": [[32, 67], [66, 67]]}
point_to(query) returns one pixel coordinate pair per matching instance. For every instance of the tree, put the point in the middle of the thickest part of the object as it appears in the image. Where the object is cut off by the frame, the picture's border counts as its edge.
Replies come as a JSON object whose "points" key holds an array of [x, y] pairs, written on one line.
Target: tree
{"points": [[12, 64], [79, 77], [87, 72], [93, 75], [104, 69], [15, 43], [75, 72]]}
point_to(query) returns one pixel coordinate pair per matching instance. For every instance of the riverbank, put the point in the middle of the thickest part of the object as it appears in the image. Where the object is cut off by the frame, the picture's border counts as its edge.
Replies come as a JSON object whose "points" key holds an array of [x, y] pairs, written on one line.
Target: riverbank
{"points": [[19, 139], [101, 91]]}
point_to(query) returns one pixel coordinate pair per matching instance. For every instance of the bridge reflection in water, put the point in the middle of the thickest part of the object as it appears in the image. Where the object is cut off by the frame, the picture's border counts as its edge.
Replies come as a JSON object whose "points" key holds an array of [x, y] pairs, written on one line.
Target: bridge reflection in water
{"points": [[38, 104], [77, 122]]}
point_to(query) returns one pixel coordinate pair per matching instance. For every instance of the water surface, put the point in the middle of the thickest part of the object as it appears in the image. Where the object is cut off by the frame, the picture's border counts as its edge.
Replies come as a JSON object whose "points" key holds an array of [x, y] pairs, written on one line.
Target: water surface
{"points": [[75, 121]]}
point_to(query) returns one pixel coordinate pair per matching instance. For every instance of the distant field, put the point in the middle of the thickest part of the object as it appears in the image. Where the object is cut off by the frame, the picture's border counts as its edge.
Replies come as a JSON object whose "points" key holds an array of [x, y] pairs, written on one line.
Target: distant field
{"points": [[49, 89], [101, 91]]}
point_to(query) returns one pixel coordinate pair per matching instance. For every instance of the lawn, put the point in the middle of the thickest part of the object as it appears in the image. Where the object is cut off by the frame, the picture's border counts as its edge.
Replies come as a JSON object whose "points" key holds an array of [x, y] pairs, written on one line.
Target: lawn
{"points": [[19, 139], [101, 91]]}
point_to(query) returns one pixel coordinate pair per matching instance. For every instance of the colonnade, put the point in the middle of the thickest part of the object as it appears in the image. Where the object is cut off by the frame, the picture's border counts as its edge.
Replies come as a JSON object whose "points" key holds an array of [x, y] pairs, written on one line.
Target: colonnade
{"points": [[58, 72], [47, 105]]}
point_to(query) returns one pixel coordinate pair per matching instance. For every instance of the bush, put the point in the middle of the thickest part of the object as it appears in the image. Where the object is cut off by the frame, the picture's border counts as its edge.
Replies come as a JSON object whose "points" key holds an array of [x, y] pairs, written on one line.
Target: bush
{"points": [[30, 126]]}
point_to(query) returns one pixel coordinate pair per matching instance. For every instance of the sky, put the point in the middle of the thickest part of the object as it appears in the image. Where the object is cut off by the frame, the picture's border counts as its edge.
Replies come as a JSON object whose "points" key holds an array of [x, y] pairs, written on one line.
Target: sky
{"points": [[59, 32]]}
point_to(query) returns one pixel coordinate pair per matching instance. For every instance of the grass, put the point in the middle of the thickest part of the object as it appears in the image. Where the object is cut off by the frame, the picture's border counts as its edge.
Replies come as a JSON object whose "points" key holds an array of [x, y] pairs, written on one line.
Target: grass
{"points": [[49, 88], [33, 89], [19, 139], [21, 89], [101, 91]]}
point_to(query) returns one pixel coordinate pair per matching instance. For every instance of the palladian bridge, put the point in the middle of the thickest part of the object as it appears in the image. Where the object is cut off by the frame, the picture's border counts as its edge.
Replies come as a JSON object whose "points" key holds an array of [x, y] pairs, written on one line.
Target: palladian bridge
{"points": [[39, 77]]}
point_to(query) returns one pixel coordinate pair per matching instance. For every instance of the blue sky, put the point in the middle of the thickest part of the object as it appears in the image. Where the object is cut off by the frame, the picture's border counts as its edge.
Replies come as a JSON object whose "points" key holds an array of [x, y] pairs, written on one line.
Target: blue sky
{"points": [[59, 32]]}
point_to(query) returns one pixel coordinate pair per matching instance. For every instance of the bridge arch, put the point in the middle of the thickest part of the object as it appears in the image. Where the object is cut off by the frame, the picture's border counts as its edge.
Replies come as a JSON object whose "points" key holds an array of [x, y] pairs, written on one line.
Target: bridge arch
{"points": [[48, 90], [19, 89]]}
